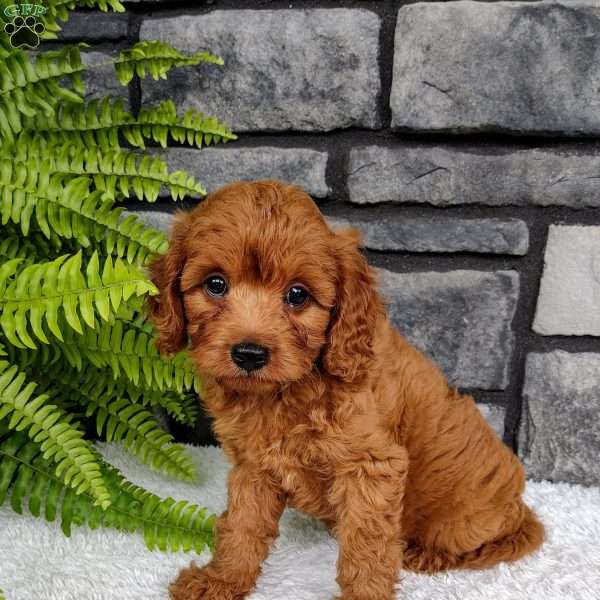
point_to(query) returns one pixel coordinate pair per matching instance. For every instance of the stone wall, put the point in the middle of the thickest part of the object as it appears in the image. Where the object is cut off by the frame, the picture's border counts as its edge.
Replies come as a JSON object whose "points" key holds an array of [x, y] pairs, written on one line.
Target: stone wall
{"points": [[461, 138]]}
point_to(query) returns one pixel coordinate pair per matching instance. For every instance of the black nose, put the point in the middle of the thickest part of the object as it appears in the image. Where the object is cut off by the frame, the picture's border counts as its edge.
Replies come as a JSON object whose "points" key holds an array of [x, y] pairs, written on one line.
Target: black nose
{"points": [[249, 356]]}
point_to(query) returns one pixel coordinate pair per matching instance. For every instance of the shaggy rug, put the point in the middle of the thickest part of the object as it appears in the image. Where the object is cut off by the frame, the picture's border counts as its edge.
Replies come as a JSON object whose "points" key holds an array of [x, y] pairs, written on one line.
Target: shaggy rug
{"points": [[38, 563]]}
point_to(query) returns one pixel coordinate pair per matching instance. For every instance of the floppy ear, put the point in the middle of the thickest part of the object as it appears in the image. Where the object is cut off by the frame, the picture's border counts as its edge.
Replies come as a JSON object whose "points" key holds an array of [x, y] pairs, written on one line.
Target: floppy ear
{"points": [[166, 310], [349, 350]]}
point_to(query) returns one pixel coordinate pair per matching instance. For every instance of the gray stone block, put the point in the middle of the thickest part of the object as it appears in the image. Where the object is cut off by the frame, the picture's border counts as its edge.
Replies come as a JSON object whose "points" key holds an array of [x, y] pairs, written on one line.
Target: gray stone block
{"points": [[162, 221], [569, 297], [559, 437], [494, 415], [217, 166], [102, 80], [505, 66], [284, 69], [94, 26], [446, 175], [461, 319], [441, 234]]}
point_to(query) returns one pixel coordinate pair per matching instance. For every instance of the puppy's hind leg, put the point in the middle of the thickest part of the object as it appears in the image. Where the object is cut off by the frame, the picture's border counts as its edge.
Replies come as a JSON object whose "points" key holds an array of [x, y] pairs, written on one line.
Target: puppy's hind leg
{"points": [[420, 559], [527, 538], [509, 547]]}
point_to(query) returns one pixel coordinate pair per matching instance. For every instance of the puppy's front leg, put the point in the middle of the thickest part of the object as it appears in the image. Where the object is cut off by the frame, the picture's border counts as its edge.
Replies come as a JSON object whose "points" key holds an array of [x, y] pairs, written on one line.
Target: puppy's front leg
{"points": [[244, 534], [368, 494]]}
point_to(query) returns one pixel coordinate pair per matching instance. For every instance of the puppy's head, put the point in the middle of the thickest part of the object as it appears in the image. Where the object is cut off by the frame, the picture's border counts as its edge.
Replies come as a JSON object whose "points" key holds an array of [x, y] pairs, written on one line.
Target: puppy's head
{"points": [[264, 291]]}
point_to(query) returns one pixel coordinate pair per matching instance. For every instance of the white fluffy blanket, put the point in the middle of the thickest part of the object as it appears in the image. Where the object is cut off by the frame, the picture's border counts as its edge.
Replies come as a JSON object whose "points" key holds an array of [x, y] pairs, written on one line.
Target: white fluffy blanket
{"points": [[38, 563]]}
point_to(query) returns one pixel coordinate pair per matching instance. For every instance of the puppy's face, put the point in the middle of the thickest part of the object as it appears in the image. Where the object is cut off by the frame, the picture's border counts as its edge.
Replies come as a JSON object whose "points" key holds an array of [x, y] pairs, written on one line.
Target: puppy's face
{"points": [[253, 280]]}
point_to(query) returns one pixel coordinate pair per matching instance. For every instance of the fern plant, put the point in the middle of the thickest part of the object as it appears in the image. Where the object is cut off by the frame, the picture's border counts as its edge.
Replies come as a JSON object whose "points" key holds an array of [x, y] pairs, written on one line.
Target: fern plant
{"points": [[77, 355]]}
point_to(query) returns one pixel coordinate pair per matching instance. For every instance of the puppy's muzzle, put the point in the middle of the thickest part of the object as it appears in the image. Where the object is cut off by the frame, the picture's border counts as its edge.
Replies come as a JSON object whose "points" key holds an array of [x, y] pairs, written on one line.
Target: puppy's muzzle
{"points": [[249, 357]]}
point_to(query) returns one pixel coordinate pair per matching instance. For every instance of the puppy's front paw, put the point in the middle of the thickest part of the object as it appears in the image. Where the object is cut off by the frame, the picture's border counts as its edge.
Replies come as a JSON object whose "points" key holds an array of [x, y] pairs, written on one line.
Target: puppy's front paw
{"points": [[195, 583]]}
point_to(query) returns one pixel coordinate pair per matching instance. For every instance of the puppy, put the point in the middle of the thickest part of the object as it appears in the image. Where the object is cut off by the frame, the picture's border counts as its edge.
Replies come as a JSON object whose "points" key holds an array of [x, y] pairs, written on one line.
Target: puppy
{"points": [[320, 404]]}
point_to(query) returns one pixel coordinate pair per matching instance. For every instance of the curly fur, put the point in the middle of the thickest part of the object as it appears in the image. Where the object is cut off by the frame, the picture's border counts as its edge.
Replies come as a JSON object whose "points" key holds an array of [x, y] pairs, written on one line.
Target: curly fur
{"points": [[346, 422]]}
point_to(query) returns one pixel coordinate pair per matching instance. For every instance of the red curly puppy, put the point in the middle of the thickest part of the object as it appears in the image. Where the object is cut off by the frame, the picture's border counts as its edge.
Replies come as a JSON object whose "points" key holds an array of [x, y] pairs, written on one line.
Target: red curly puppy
{"points": [[322, 405]]}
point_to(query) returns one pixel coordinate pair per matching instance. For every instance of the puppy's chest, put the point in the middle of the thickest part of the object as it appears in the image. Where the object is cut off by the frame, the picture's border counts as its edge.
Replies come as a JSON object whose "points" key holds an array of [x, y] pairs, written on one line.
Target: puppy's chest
{"points": [[302, 468], [286, 444], [290, 453]]}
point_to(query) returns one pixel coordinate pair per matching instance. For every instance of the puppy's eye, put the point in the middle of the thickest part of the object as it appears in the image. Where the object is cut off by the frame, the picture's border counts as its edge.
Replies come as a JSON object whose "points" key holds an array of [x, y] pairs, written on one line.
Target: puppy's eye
{"points": [[215, 285], [296, 296]]}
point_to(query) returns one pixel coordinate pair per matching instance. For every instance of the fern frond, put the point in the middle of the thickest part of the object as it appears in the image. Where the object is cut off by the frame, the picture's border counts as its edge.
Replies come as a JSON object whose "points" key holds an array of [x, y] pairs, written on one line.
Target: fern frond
{"points": [[5, 47], [76, 463], [131, 354], [184, 408], [146, 439], [181, 405], [31, 249], [72, 211], [43, 357], [15, 247], [26, 88], [97, 123], [195, 129], [128, 351], [165, 524], [37, 293], [100, 123], [129, 173], [156, 58], [119, 417], [116, 172]]}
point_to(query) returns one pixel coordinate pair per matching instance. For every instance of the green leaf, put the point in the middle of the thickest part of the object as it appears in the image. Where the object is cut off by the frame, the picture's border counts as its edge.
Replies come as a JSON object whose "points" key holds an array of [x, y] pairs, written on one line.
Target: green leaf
{"points": [[46, 424], [27, 88], [156, 58], [165, 524], [102, 123], [118, 173], [35, 294], [120, 415]]}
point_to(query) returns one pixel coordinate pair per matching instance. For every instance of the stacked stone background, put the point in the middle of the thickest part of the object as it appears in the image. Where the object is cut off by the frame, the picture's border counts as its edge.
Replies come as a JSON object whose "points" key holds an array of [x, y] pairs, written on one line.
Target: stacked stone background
{"points": [[460, 137]]}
